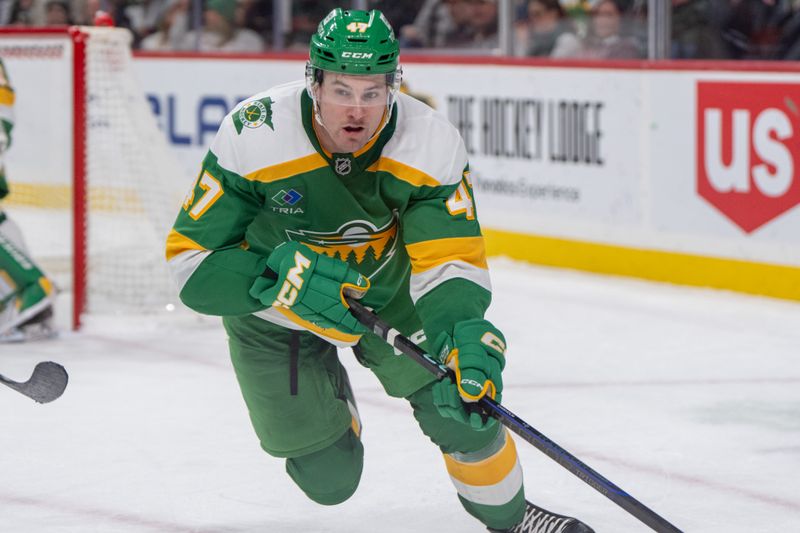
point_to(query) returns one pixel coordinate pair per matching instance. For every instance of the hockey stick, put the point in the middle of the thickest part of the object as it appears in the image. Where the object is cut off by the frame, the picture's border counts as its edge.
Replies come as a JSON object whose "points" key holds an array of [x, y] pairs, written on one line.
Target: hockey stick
{"points": [[516, 424], [47, 382]]}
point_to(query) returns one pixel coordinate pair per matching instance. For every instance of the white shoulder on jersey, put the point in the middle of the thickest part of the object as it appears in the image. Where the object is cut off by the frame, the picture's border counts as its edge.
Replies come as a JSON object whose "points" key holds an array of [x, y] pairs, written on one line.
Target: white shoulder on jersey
{"points": [[263, 131], [425, 140]]}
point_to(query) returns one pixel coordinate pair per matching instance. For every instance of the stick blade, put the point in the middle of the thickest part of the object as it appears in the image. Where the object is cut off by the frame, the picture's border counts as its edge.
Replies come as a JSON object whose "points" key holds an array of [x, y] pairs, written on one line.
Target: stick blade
{"points": [[47, 382]]}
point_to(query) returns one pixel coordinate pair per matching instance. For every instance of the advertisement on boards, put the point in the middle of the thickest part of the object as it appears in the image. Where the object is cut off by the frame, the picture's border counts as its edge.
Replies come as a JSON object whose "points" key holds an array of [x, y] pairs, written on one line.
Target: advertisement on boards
{"points": [[190, 97], [545, 144], [748, 142], [723, 164], [696, 162]]}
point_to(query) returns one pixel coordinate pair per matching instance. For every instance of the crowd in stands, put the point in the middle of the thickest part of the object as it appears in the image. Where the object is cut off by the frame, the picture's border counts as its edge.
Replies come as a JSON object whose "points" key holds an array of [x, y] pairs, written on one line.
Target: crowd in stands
{"points": [[581, 29]]}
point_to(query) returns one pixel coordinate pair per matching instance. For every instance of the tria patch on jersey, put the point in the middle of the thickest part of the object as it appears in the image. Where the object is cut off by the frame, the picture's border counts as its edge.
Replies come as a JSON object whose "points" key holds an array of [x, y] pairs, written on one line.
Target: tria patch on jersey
{"points": [[253, 114], [286, 202], [358, 242]]}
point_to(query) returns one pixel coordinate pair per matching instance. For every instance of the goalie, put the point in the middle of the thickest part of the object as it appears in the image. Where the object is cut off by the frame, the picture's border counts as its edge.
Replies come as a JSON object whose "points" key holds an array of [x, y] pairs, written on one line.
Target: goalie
{"points": [[26, 294]]}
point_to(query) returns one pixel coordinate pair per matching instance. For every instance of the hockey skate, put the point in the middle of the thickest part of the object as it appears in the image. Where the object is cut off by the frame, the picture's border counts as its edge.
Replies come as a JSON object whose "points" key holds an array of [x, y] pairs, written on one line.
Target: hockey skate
{"points": [[538, 520], [28, 315]]}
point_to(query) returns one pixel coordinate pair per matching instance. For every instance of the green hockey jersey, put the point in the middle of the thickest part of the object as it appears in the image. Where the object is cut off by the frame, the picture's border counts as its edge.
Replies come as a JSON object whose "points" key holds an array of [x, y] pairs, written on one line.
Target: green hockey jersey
{"points": [[399, 211]]}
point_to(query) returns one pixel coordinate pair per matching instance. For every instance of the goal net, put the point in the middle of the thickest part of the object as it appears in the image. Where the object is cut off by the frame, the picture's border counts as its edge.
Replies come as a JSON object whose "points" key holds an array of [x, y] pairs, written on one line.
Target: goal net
{"points": [[93, 185]]}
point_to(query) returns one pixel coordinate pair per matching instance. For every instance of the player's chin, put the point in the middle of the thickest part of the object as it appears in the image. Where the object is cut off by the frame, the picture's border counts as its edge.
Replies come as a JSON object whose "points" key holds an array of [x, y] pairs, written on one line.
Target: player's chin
{"points": [[354, 141]]}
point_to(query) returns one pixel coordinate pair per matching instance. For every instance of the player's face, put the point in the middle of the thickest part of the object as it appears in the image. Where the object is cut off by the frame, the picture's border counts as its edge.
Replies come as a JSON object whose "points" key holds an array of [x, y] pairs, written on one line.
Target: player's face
{"points": [[351, 109]]}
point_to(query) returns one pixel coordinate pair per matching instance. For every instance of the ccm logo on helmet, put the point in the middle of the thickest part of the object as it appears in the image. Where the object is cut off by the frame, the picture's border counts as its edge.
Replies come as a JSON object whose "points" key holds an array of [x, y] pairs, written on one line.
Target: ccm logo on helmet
{"points": [[358, 55]]}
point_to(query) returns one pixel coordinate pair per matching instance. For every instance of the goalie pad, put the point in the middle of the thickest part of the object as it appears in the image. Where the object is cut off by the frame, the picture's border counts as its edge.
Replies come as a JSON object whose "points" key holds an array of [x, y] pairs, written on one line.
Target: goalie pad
{"points": [[25, 292]]}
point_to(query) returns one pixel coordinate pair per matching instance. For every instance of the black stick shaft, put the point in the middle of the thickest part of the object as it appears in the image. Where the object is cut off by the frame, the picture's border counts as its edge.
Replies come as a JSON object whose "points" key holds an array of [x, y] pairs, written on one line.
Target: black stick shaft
{"points": [[517, 425]]}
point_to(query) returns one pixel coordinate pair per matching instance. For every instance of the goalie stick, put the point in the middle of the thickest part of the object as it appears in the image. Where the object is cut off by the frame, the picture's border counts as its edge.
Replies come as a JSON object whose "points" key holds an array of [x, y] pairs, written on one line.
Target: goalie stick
{"points": [[516, 424], [47, 382]]}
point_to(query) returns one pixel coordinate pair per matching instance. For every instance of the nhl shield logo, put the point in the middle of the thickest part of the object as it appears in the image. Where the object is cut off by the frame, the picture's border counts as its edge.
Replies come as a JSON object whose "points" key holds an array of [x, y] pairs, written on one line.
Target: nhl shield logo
{"points": [[343, 166]]}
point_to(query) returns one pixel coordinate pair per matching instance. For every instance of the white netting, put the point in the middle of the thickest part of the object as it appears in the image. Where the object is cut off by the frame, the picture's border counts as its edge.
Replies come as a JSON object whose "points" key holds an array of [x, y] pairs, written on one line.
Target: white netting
{"points": [[131, 180]]}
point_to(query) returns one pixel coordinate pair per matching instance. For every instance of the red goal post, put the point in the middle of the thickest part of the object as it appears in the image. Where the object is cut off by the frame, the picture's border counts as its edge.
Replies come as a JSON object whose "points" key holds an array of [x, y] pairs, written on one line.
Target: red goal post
{"points": [[94, 186]]}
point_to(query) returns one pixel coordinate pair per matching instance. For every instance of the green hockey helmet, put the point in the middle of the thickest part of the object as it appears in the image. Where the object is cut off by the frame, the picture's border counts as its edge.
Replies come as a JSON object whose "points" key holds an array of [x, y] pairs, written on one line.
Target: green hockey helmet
{"points": [[351, 41], [354, 42]]}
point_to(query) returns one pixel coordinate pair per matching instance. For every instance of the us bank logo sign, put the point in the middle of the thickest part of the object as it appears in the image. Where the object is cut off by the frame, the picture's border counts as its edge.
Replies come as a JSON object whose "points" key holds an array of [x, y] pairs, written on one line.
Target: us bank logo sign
{"points": [[748, 150]]}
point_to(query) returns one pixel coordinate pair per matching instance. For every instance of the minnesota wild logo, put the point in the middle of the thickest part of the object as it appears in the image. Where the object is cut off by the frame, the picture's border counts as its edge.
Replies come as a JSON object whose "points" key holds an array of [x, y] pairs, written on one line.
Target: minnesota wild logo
{"points": [[253, 114], [358, 242]]}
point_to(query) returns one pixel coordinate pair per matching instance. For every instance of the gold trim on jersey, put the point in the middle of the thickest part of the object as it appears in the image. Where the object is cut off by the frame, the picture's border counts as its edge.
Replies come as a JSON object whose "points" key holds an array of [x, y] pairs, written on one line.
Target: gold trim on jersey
{"points": [[288, 169], [404, 172], [426, 255], [330, 333], [178, 243], [6, 96]]}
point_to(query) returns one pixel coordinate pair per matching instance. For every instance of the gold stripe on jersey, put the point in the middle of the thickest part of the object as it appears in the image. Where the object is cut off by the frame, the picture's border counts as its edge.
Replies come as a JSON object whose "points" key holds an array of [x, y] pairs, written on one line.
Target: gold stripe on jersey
{"points": [[178, 243], [330, 333], [404, 172], [426, 255], [287, 169], [6, 96]]}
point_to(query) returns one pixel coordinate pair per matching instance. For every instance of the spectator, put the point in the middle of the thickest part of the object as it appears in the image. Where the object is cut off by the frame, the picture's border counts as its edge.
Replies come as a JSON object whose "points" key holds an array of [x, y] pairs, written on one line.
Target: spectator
{"points": [[114, 8], [170, 29], [400, 13], [547, 31], [695, 32], [306, 15], [753, 28], [220, 34], [482, 23], [144, 17], [256, 15], [57, 13], [608, 37], [27, 13], [432, 23], [788, 46], [453, 24]]}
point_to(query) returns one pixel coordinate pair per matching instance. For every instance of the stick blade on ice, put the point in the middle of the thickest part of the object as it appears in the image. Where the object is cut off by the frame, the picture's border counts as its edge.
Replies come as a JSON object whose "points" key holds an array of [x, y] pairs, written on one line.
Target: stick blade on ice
{"points": [[47, 382]]}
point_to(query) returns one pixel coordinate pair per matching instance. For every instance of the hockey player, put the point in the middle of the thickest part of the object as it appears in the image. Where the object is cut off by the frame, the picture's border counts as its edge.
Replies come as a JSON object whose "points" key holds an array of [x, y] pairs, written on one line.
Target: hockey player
{"points": [[342, 185], [26, 294]]}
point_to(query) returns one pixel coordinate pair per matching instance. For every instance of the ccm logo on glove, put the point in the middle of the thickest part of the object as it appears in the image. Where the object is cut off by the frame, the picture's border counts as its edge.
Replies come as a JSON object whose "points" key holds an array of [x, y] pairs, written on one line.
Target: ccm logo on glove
{"points": [[294, 282], [312, 286]]}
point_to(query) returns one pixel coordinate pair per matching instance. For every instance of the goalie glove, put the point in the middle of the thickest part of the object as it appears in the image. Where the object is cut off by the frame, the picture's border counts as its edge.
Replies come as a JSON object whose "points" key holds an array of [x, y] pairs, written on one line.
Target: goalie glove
{"points": [[312, 286], [475, 353]]}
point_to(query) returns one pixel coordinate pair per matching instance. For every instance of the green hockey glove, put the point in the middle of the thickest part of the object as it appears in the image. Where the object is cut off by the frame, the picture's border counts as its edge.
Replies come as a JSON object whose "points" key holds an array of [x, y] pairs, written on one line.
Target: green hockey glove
{"points": [[475, 353], [312, 286]]}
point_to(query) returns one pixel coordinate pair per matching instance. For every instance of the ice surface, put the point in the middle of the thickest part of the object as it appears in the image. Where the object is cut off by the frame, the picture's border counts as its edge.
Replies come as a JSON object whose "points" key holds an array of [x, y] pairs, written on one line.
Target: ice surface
{"points": [[688, 399]]}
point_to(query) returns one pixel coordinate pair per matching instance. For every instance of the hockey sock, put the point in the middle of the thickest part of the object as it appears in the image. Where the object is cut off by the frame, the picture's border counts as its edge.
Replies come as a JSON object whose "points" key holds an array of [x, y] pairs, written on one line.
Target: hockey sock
{"points": [[489, 482]]}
